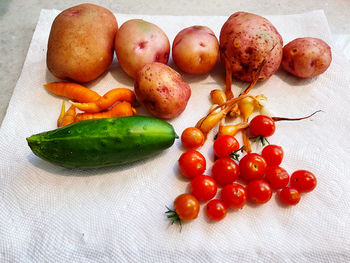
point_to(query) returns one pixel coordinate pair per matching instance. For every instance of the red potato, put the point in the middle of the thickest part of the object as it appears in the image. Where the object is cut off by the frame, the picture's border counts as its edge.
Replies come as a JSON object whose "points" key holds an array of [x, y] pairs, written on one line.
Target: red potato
{"points": [[139, 42], [162, 90], [246, 40], [306, 57], [195, 50]]}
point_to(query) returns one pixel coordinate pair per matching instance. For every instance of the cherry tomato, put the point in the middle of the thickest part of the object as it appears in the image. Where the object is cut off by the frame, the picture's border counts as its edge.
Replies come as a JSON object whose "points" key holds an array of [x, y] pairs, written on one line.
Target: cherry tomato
{"points": [[252, 166], [289, 196], [304, 181], [234, 196], [186, 207], [277, 177], [225, 171], [203, 187], [192, 138], [262, 125], [259, 191], [224, 145], [216, 210], [272, 154], [192, 163]]}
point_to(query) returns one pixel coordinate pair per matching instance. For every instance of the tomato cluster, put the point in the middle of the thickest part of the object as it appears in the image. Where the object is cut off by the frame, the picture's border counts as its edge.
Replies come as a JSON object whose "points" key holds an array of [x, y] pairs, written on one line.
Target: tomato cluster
{"points": [[253, 178]]}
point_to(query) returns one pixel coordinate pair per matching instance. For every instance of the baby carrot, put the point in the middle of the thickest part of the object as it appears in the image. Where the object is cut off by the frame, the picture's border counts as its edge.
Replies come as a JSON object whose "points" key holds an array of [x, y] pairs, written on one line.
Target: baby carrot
{"points": [[69, 116], [123, 108], [72, 91], [107, 100], [232, 129], [60, 117]]}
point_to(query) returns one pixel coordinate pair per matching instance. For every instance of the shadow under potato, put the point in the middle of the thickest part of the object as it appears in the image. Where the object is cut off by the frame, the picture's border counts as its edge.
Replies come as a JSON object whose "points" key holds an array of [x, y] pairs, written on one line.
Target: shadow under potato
{"points": [[119, 75], [114, 69], [293, 80]]}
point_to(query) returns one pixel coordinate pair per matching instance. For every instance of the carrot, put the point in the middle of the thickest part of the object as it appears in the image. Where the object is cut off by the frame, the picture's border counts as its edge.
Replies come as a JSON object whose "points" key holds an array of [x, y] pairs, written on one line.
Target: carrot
{"points": [[232, 129], [207, 123], [67, 117], [72, 91], [107, 100], [123, 108], [60, 117]]}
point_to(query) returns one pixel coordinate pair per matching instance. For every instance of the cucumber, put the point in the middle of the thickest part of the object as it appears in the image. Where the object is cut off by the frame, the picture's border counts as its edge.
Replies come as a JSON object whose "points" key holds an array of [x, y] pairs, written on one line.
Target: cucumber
{"points": [[103, 142]]}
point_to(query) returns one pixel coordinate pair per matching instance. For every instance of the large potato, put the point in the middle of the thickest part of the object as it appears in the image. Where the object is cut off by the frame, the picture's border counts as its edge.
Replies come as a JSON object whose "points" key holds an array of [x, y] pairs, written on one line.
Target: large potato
{"points": [[81, 41], [139, 42], [195, 49], [306, 57], [162, 90], [245, 41]]}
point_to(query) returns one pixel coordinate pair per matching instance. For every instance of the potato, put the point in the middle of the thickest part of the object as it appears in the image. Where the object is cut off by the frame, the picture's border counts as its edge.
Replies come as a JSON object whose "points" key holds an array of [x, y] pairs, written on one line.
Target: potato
{"points": [[195, 50], [139, 42], [162, 90], [245, 41], [81, 41], [306, 57]]}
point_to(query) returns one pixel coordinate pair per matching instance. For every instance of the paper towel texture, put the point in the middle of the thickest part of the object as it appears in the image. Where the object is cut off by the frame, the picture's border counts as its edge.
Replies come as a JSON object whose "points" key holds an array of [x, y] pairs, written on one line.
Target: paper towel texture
{"points": [[116, 214]]}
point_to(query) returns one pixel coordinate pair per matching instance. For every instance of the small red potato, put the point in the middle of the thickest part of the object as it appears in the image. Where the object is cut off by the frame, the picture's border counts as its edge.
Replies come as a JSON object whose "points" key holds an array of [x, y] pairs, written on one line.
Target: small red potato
{"points": [[162, 90], [195, 50], [139, 42], [306, 57]]}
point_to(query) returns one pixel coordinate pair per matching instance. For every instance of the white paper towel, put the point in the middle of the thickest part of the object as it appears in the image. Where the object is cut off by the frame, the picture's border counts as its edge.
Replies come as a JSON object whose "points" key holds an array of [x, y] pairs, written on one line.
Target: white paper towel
{"points": [[116, 214]]}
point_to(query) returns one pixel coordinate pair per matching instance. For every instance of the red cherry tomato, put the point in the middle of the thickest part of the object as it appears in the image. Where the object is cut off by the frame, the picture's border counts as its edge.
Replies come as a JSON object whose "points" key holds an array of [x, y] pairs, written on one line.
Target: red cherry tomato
{"points": [[262, 125], [272, 154], [216, 210], [289, 196], [304, 181], [259, 191], [277, 177], [192, 138], [252, 166], [224, 145], [225, 171], [203, 187], [192, 163], [186, 207], [234, 196]]}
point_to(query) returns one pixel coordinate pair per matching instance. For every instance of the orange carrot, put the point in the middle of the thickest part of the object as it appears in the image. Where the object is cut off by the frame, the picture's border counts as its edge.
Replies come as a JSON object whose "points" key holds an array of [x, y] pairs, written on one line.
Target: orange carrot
{"points": [[107, 100], [232, 129], [72, 91], [123, 108], [68, 117], [60, 117]]}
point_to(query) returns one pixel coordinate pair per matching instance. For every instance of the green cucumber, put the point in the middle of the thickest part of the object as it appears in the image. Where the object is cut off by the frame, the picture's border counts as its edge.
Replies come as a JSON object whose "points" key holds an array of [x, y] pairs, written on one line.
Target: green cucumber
{"points": [[103, 142]]}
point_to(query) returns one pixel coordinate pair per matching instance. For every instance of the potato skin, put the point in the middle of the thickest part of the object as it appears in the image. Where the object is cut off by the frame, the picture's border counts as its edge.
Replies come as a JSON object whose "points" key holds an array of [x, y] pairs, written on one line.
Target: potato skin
{"points": [[245, 41], [306, 57], [162, 90], [81, 41], [195, 49], [139, 42]]}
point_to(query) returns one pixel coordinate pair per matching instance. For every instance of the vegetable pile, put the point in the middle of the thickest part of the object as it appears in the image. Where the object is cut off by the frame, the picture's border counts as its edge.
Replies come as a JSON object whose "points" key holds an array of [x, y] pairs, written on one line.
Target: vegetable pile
{"points": [[101, 130]]}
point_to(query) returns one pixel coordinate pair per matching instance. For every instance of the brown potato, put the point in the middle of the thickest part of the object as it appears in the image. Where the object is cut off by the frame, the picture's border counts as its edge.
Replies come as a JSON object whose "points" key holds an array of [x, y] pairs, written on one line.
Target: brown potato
{"points": [[162, 90], [195, 49], [306, 57], [139, 42], [81, 41]]}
